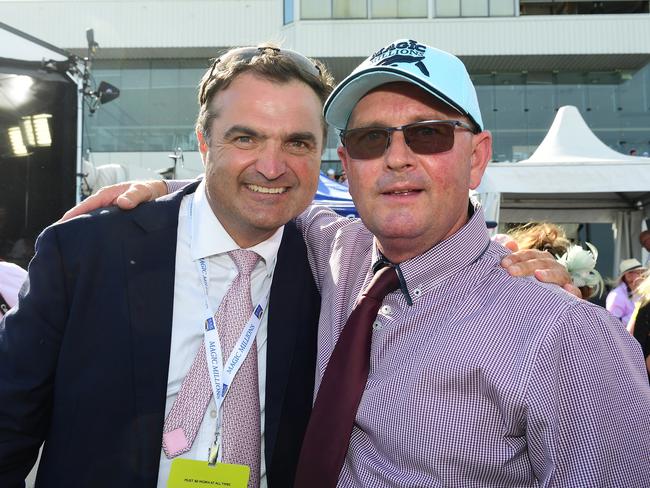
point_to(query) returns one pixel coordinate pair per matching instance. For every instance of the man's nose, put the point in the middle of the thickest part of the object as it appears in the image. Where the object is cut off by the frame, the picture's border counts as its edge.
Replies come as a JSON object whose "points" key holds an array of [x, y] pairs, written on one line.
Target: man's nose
{"points": [[398, 154], [271, 160]]}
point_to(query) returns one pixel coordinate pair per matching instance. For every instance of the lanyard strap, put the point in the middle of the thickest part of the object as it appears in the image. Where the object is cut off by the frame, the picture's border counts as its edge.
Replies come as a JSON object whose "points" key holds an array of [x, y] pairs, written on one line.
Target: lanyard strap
{"points": [[223, 373]]}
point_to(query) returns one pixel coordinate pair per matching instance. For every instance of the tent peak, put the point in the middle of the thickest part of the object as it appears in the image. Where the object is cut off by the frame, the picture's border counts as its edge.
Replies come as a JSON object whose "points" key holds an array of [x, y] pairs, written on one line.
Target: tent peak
{"points": [[570, 139]]}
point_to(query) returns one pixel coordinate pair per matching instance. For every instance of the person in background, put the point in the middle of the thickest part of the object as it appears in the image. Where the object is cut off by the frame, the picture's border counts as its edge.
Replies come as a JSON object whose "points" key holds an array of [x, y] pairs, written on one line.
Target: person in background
{"points": [[543, 236], [343, 178], [580, 263], [620, 301], [12, 278], [639, 324], [644, 240], [331, 174]]}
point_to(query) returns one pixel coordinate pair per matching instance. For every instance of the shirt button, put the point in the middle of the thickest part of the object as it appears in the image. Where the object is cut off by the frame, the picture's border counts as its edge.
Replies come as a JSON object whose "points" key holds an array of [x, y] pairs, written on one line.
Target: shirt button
{"points": [[213, 414], [376, 325], [417, 293], [386, 309]]}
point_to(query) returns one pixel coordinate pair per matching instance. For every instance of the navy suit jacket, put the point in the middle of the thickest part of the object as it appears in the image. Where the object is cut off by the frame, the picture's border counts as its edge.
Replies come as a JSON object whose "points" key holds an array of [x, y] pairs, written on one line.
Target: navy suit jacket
{"points": [[84, 358]]}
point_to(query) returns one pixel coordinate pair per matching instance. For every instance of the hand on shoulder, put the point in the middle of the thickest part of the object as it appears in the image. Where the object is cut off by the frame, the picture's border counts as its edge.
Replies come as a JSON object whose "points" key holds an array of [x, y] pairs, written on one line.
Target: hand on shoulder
{"points": [[126, 196]]}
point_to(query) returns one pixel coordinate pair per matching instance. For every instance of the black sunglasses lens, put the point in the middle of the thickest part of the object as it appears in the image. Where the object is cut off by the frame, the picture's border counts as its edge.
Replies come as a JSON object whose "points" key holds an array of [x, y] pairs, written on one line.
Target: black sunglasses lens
{"points": [[430, 138], [371, 143], [367, 143]]}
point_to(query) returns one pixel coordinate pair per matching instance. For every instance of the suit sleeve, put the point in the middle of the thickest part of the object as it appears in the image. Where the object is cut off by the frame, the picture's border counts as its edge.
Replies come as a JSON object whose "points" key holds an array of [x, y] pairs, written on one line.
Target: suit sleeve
{"points": [[588, 404], [30, 339]]}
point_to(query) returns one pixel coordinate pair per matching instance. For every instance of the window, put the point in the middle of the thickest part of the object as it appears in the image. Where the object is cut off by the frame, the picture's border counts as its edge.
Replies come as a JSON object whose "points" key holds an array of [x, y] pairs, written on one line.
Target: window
{"points": [[502, 8], [315, 9], [582, 7], [288, 11], [399, 8], [448, 8], [474, 8], [349, 9]]}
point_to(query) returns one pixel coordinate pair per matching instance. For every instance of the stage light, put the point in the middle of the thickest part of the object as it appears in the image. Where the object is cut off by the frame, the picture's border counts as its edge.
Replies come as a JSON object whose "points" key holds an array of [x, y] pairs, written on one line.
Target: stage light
{"points": [[17, 143], [36, 129], [28, 131], [42, 129]]}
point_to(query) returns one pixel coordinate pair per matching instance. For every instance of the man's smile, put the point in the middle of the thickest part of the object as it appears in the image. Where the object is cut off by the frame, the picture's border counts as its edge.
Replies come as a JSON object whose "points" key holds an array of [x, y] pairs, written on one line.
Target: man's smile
{"points": [[267, 189]]}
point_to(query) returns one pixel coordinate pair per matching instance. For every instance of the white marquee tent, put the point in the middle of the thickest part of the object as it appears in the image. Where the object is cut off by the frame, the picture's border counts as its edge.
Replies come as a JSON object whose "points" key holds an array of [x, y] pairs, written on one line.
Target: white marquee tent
{"points": [[573, 177]]}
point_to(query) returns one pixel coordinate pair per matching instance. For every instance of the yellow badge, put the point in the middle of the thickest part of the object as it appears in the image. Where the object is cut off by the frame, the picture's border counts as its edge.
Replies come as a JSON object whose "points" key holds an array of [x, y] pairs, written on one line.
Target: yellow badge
{"points": [[186, 473]]}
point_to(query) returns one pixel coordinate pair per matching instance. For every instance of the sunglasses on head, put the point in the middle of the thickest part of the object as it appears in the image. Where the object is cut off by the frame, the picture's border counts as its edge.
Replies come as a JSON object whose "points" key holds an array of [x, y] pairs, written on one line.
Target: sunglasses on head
{"points": [[246, 54], [426, 137]]}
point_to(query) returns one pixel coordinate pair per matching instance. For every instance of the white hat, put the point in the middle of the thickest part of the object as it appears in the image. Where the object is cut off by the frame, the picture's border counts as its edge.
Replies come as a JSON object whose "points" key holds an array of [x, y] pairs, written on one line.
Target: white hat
{"points": [[435, 71], [629, 265], [331, 171]]}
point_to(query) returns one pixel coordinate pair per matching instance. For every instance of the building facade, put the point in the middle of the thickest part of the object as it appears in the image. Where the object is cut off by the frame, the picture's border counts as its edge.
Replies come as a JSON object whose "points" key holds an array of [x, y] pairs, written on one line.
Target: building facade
{"points": [[526, 57]]}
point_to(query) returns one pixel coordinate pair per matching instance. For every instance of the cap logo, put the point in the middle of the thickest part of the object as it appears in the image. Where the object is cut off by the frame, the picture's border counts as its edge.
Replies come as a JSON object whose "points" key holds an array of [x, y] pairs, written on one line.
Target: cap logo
{"points": [[401, 53]]}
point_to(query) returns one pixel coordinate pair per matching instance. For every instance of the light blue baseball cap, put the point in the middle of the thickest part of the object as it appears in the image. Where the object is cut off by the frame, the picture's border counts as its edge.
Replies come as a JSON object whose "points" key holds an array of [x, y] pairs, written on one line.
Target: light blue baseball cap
{"points": [[435, 71]]}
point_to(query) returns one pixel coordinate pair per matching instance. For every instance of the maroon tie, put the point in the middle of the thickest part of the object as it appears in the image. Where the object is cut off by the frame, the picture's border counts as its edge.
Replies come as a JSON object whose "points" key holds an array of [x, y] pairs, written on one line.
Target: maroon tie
{"points": [[330, 425]]}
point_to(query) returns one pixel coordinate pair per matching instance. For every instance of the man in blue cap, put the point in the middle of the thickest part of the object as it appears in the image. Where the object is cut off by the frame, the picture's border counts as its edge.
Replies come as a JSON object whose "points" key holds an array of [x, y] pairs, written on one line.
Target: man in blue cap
{"points": [[475, 378]]}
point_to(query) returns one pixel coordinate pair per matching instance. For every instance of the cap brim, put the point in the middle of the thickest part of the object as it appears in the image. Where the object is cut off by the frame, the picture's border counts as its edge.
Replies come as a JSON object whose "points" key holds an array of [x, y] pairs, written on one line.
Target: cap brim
{"points": [[347, 94]]}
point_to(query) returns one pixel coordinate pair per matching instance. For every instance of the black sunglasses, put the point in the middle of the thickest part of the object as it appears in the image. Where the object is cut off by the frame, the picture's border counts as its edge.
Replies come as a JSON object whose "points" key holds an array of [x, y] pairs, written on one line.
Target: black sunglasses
{"points": [[248, 53], [426, 137]]}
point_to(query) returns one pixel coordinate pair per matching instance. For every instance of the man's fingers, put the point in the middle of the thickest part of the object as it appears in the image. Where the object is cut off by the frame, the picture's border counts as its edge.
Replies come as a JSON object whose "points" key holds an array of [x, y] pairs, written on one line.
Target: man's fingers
{"points": [[548, 271], [512, 245], [526, 261], [555, 275], [140, 192], [541, 264], [103, 198], [124, 195]]}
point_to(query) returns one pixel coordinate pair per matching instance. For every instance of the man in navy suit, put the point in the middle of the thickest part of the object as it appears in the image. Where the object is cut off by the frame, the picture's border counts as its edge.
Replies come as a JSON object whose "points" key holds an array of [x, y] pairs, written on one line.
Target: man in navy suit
{"points": [[89, 359]]}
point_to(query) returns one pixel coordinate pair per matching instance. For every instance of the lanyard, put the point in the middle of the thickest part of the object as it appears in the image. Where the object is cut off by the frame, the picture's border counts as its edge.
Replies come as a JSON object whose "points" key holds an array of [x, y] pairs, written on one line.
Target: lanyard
{"points": [[223, 373]]}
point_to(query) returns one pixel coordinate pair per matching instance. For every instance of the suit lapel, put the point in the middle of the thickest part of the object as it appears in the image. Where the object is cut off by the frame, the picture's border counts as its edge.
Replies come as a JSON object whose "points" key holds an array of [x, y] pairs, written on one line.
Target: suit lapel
{"points": [[287, 314], [150, 252]]}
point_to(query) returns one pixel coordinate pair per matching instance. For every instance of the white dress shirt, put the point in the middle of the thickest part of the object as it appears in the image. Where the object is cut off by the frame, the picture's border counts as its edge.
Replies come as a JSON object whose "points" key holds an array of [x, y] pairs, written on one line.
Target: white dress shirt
{"points": [[203, 236]]}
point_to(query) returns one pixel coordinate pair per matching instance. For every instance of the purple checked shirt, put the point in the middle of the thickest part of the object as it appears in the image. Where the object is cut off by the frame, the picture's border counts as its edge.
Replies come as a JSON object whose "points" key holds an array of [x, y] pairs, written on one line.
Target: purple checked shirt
{"points": [[486, 380]]}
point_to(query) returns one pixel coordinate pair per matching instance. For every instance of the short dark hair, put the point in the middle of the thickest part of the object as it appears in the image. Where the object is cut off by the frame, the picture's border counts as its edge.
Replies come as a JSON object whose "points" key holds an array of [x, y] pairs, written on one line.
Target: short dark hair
{"points": [[268, 62]]}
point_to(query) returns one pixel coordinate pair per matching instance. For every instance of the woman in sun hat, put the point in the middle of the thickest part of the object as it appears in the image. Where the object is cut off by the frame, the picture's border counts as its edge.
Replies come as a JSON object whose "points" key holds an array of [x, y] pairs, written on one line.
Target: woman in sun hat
{"points": [[620, 301]]}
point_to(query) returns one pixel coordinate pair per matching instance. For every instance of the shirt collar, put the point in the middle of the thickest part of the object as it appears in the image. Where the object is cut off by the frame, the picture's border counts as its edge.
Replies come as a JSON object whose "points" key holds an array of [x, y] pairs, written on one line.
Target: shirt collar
{"points": [[426, 271], [209, 238]]}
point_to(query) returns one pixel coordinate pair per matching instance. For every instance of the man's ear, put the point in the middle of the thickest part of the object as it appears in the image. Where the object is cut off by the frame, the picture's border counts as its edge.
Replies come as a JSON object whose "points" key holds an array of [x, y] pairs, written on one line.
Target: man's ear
{"points": [[203, 145], [343, 156], [481, 156]]}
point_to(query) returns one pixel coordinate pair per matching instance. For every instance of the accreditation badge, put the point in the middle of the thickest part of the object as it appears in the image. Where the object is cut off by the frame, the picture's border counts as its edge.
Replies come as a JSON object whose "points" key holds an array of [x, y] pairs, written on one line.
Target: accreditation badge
{"points": [[188, 473]]}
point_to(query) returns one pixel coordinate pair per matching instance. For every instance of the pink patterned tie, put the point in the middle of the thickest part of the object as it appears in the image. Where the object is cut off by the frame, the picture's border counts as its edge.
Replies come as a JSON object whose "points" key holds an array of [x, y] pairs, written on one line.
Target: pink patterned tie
{"points": [[241, 408]]}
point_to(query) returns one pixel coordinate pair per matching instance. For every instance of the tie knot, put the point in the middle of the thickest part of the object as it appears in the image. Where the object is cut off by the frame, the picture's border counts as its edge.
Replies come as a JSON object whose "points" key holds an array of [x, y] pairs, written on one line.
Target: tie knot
{"points": [[384, 281], [245, 260]]}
